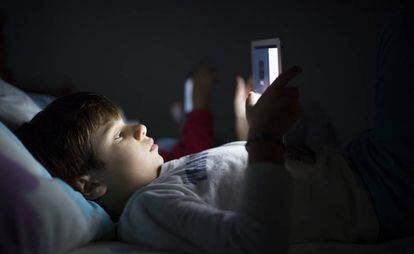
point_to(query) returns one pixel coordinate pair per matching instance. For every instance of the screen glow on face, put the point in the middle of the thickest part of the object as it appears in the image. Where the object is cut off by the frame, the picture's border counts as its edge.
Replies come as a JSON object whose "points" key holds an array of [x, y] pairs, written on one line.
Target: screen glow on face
{"points": [[265, 67]]}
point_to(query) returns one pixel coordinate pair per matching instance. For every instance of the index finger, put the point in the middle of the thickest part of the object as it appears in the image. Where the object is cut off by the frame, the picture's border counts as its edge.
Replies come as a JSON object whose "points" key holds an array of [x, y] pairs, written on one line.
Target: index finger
{"points": [[285, 77]]}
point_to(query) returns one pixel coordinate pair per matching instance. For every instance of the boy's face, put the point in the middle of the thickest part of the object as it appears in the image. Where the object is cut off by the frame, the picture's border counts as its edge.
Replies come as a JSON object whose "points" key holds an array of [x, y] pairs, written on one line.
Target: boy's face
{"points": [[131, 158]]}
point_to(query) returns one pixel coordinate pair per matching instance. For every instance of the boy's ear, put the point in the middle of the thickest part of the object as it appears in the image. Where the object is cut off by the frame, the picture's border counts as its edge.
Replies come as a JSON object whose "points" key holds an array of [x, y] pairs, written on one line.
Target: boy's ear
{"points": [[92, 189]]}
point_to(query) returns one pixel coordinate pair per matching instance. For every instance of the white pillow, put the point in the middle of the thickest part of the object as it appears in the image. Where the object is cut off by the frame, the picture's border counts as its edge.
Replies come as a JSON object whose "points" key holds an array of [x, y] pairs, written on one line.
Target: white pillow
{"points": [[16, 107], [41, 214]]}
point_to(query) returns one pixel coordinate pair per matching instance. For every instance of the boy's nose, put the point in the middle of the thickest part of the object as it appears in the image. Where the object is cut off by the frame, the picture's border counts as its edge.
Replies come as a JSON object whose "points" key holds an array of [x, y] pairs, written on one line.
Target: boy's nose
{"points": [[141, 131]]}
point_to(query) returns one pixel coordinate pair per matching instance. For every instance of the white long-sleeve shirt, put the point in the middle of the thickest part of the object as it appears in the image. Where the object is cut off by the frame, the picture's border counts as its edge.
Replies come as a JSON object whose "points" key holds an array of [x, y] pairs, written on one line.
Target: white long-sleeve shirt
{"points": [[210, 203]]}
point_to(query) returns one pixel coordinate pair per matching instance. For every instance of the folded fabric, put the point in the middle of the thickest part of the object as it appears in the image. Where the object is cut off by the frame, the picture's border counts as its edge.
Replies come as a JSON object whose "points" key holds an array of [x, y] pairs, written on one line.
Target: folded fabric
{"points": [[16, 107]]}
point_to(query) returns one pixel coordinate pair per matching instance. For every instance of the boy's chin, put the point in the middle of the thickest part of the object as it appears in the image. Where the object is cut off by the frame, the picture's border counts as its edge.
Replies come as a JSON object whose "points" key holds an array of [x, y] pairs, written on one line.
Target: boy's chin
{"points": [[161, 160]]}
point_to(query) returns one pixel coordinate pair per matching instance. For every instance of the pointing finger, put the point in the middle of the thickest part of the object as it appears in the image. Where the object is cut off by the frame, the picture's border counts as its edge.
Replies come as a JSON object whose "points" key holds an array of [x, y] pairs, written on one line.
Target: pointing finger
{"points": [[285, 77]]}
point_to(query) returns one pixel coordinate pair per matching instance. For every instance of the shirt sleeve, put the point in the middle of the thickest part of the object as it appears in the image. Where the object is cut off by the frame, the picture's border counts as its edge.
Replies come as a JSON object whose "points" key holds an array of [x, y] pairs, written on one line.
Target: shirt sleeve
{"points": [[197, 135], [172, 220]]}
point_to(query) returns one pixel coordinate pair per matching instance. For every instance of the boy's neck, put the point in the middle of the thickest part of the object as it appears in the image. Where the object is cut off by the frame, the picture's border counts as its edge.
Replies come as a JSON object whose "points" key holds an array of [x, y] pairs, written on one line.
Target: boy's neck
{"points": [[113, 206], [159, 170]]}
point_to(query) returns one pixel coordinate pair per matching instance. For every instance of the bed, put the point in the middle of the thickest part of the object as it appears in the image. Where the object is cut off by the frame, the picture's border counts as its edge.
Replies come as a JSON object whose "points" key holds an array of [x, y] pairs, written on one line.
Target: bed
{"points": [[42, 214]]}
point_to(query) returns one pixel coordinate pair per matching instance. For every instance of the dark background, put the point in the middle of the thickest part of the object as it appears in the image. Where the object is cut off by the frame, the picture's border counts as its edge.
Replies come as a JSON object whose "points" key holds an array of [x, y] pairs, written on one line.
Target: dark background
{"points": [[139, 52]]}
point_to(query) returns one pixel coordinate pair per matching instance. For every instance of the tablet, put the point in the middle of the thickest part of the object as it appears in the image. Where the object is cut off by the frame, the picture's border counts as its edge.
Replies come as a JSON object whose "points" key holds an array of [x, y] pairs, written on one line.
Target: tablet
{"points": [[266, 62]]}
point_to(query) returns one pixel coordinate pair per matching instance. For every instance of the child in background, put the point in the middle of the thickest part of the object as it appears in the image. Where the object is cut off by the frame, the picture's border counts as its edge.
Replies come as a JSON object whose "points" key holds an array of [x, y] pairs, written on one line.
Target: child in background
{"points": [[197, 132]]}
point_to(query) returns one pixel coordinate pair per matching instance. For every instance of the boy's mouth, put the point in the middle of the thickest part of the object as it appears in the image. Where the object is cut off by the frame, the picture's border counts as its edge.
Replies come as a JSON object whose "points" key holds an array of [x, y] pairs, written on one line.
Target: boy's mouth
{"points": [[153, 145]]}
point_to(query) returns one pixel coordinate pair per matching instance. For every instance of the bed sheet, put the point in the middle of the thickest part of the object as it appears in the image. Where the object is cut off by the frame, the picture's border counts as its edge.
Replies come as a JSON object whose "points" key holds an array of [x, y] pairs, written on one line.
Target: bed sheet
{"points": [[398, 246], [112, 247]]}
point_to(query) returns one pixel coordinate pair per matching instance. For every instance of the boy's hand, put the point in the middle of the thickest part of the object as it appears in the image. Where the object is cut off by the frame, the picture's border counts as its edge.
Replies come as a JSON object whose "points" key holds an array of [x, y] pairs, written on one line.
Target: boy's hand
{"points": [[277, 109], [242, 90]]}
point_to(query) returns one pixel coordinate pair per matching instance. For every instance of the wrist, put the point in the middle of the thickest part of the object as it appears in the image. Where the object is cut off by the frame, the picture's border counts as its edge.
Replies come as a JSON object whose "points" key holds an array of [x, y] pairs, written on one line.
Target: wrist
{"points": [[264, 137], [265, 148], [266, 152]]}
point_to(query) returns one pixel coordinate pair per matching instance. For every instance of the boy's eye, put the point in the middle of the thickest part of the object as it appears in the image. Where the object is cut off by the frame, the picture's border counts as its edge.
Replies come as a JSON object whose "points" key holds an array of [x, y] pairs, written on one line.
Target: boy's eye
{"points": [[120, 135]]}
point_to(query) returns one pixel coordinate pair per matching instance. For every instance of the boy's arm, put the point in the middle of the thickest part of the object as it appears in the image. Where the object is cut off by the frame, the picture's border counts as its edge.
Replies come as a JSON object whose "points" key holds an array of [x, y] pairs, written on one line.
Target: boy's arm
{"points": [[242, 89], [271, 117]]}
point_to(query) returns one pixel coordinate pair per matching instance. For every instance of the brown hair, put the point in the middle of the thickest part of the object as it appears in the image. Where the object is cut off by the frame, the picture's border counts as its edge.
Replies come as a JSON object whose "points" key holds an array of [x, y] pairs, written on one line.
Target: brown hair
{"points": [[60, 136]]}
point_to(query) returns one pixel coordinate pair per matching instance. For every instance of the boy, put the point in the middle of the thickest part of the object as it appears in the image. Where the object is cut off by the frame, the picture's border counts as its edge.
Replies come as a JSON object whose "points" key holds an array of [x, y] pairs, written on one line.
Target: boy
{"points": [[207, 202]]}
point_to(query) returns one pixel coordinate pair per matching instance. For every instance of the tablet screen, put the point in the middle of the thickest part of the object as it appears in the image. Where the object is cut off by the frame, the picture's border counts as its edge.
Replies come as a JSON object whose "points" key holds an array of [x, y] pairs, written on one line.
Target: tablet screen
{"points": [[265, 61]]}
